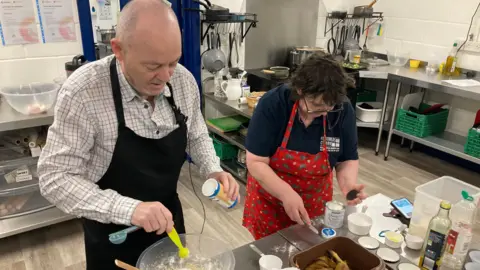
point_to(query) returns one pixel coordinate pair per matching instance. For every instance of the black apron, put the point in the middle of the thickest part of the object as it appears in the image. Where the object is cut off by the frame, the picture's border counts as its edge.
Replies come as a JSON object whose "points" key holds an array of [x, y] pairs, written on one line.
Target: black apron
{"points": [[143, 169]]}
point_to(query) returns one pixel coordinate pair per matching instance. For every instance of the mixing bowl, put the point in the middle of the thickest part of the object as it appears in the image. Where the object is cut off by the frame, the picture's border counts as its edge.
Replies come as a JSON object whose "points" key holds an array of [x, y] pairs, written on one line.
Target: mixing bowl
{"points": [[31, 98], [206, 253], [398, 58]]}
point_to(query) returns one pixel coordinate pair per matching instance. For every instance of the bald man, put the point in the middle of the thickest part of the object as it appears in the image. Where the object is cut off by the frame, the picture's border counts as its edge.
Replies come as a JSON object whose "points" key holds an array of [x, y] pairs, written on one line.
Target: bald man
{"points": [[122, 127]]}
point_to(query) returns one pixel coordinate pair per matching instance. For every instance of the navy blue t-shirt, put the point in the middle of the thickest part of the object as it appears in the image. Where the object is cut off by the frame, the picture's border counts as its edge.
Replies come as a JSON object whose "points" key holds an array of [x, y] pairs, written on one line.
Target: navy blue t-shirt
{"points": [[270, 119]]}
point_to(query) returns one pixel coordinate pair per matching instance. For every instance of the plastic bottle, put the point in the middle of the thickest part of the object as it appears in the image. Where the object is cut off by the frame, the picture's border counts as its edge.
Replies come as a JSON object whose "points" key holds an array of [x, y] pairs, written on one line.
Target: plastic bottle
{"points": [[460, 236], [214, 190]]}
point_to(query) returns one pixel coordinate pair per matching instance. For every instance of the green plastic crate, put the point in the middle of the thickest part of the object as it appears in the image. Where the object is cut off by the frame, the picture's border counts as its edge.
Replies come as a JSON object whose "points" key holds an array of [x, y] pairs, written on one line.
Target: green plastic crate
{"points": [[420, 125], [367, 96], [224, 149], [472, 147]]}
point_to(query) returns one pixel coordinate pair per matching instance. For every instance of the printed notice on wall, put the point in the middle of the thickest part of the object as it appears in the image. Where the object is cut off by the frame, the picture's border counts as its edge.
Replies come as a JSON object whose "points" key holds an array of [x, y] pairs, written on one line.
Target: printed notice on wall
{"points": [[56, 20], [104, 10], [17, 18]]}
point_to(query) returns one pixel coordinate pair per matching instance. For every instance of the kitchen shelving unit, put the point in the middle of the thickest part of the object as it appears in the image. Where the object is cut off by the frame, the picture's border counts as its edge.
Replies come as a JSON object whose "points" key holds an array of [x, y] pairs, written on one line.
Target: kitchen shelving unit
{"points": [[376, 16], [217, 107], [36, 218], [246, 21]]}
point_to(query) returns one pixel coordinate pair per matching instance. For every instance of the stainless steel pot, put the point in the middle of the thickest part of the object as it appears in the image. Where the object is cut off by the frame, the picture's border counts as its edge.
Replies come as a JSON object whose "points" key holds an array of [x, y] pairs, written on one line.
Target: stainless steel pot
{"points": [[105, 35], [300, 54]]}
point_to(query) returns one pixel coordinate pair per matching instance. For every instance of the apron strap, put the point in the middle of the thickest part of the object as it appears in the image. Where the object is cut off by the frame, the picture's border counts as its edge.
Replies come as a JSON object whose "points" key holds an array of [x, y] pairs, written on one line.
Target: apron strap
{"points": [[117, 94], [325, 133], [288, 131], [179, 116]]}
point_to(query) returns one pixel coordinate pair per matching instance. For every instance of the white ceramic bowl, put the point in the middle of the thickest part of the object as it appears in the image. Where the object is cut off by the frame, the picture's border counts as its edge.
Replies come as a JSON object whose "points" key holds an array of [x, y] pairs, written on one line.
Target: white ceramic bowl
{"points": [[359, 223], [472, 266], [414, 242], [393, 239], [475, 256], [34, 98]]}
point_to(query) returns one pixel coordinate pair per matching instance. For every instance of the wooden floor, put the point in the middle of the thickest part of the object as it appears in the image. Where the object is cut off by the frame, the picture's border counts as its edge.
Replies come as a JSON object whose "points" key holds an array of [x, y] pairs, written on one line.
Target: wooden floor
{"points": [[61, 246]]}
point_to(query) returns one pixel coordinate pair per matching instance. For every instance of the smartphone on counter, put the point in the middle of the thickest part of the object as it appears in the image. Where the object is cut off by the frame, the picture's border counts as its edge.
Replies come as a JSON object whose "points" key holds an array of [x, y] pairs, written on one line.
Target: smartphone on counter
{"points": [[404, 207]]}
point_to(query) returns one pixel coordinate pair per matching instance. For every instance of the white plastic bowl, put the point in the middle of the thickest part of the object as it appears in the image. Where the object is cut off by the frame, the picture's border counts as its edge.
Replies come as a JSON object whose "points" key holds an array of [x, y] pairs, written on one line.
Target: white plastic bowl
{"points": [[359, 223], [29, 99]]}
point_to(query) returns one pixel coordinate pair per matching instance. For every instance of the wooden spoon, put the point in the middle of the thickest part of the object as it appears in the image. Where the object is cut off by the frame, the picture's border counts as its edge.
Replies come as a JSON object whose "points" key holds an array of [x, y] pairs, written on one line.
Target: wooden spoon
{"points": [[125, 266]]}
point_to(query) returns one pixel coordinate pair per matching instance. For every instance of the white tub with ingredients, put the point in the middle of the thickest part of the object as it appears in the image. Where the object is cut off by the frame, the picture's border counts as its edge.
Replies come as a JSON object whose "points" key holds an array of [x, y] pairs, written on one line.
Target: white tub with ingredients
{"points": [[428, 197], [371, 115]]}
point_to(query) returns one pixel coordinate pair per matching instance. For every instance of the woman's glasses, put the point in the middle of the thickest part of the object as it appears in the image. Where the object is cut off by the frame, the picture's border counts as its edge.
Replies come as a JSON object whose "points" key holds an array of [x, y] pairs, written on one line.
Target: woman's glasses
{"points": [[323, 108]]}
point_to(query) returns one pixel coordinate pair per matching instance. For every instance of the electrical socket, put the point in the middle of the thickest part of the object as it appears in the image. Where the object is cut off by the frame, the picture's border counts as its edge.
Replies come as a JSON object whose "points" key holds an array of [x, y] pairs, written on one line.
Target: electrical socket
{"points": [[470, 46]]}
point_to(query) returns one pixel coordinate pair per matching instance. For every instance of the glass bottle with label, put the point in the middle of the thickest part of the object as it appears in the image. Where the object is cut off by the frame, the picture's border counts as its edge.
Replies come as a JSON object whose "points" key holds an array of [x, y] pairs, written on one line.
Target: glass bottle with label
{"points": [[435, 240], [460, 236]]}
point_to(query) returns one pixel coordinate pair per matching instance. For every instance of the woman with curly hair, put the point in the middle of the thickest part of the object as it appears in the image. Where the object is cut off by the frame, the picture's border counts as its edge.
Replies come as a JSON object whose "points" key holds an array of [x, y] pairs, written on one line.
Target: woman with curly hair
{"points": [[299, 134]]}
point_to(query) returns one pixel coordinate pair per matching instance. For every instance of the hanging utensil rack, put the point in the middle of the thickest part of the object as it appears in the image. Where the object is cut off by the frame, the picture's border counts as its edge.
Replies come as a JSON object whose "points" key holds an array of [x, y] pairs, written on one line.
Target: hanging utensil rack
{"points": [[247, 21], [377, 16]]}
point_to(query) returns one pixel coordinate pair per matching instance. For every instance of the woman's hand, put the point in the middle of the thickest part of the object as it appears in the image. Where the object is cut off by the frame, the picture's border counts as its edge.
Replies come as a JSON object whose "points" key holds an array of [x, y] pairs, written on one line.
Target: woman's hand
{"points": [[360, 194], [294, 207]]}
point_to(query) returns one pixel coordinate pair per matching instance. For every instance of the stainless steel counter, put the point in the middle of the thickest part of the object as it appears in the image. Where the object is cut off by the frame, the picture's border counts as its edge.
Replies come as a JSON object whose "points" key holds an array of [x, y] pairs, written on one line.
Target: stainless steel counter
{"points": [[303, 238], [446, 142], [418, 77], [12, 120], [16, 225], [275, 244], [241, 109]]}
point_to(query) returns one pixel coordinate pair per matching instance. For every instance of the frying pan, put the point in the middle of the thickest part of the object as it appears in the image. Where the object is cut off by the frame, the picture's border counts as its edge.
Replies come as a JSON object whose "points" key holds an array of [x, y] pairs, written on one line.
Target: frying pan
{"points": [[278, 72]]}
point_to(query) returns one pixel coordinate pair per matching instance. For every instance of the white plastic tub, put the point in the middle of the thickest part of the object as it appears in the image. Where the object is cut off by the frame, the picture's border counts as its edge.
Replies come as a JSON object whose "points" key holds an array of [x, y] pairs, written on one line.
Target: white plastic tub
{"points": [[371, 115], [428, 197], [29, 99]]}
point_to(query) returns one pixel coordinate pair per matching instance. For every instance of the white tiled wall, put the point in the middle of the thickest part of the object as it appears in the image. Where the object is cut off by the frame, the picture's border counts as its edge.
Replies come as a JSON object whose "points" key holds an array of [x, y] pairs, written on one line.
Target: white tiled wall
{"points": [[428, 29], [37, 62]]}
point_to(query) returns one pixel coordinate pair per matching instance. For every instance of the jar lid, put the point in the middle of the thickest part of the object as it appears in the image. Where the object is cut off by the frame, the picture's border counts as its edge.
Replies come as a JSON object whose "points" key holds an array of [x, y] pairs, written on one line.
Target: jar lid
{"points": [[328, 233]]}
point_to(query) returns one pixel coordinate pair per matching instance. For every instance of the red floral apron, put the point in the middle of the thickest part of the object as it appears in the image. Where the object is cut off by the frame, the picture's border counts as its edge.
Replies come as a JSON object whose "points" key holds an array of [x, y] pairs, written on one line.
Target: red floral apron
{"points": [[309, 175]]}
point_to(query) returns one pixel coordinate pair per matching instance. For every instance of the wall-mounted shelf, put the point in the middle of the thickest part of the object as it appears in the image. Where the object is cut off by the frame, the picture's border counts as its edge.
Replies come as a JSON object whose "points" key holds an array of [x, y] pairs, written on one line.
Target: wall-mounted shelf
{"points": [[246, 21], [377, 16]]}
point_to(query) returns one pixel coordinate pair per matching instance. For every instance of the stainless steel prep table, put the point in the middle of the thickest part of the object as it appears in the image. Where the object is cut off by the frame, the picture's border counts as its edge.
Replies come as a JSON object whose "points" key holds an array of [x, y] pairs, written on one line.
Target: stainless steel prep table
{"points": [[445, 142], [303, 238], [13, 120], [275, 244]]}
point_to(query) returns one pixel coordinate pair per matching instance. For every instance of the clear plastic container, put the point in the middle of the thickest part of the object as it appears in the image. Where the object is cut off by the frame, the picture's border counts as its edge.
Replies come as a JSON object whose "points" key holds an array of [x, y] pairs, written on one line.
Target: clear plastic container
{"points": [[30, 99], [18, 176], [398, 58], [428, 197]]}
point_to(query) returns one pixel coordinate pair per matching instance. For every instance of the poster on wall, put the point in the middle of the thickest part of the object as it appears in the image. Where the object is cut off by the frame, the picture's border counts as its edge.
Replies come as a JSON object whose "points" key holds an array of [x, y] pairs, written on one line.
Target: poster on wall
{"points": [[56, 20], [104, 10], [18, 26]]}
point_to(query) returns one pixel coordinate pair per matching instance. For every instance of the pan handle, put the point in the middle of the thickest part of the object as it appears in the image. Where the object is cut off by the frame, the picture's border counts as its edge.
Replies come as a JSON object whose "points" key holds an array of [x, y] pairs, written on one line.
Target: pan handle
{"points": [[202, 4]]}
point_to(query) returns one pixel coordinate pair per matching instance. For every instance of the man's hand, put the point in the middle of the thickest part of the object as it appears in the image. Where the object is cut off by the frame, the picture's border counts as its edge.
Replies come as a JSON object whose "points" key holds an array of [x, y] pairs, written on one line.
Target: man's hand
{"points": [[230, 186], [360, 196], [153, 216], [294, 207]]}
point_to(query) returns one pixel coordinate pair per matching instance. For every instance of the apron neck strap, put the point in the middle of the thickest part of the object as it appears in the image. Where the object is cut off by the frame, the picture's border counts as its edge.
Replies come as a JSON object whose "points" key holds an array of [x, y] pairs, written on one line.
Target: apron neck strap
{"points": [[291, 120], [117, 94]]}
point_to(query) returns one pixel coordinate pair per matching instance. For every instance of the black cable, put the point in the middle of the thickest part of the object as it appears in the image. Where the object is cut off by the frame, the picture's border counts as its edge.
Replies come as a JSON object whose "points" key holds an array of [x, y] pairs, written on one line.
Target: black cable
{"points": [[469, 28], [195, 192]]}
